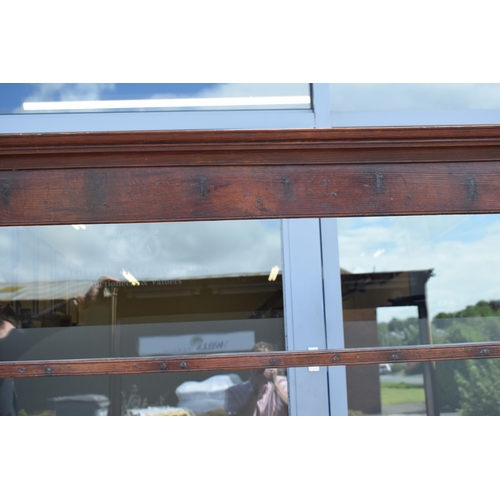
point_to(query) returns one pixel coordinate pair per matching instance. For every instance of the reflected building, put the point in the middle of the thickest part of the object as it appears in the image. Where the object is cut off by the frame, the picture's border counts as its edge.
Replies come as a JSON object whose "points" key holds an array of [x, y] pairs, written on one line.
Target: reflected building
{"points": [[134, 316], [362, 295]]}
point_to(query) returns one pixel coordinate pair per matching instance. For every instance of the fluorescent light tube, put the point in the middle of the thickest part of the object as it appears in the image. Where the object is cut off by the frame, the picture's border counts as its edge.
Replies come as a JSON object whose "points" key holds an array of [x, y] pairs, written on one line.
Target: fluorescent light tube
{"points": [[128, 276], [273, 274], [166, 103]]}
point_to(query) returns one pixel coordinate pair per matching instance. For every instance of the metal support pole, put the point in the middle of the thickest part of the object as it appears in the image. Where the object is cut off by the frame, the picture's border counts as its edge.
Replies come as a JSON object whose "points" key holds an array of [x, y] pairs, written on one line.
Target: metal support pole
{"points": [[430, 385], [115, 381]]}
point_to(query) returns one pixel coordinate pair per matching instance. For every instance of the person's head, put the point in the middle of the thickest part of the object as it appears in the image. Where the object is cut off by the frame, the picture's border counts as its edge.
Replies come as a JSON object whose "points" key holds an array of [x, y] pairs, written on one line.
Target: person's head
{"points": [[262, 347]]}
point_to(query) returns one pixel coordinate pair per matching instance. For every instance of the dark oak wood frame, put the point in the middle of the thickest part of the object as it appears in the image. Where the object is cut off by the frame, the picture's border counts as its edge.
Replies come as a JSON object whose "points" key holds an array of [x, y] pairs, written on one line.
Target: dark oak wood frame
{"points": [[213, 175], [248, 361]]}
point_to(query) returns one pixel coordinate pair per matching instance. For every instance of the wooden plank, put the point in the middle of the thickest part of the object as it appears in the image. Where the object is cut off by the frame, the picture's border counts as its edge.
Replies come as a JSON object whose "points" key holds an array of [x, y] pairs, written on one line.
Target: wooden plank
{"points": [[159, 194], [195, 175], [247, 361]]}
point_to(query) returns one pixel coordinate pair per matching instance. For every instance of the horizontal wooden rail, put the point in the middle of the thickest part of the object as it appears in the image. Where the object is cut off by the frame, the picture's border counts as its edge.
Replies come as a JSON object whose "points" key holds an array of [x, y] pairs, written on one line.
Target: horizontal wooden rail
{"points": [[248, 361], [216, 175]]}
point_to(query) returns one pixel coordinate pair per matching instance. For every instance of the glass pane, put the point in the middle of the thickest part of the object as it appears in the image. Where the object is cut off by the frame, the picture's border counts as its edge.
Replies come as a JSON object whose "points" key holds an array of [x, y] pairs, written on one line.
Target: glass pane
{"points": [[70, 292], [381, 104], [412, 281], [465, 388], [102, 97]]}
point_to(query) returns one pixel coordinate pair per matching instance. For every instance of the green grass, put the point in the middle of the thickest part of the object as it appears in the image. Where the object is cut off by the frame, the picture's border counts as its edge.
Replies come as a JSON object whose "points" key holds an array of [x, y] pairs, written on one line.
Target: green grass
{"points": [[392, 393]]}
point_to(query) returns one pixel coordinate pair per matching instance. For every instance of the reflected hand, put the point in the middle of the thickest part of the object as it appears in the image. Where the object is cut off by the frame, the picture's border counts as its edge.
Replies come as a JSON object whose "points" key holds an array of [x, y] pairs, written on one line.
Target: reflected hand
{"points": [[94, 289], [271, 374], [259, 379]]}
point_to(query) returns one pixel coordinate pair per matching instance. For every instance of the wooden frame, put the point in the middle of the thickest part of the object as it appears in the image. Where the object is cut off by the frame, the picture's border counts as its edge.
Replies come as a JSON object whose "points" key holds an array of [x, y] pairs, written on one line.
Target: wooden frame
{"points": [[249, 361], [207, 175], [180, 176]]}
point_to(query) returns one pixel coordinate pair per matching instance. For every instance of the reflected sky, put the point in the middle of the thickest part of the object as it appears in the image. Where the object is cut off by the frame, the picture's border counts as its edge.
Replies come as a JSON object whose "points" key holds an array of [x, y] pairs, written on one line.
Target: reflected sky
{"points": [[12, 96], [147, 251], [462, 250], [354, 97]]}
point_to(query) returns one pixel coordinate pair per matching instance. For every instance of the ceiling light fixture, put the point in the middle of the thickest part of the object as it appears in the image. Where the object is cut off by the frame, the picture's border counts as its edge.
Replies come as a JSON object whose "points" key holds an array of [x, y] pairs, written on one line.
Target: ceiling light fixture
{"points": [[128, 276], [273, 274]]}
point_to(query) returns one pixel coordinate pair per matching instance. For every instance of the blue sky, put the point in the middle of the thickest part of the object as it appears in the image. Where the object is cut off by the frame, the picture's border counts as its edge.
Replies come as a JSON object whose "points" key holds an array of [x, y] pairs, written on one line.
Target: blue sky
{"points": [[345, 97], [463, 251], [148, 251], [12, 96], [349, 97]]}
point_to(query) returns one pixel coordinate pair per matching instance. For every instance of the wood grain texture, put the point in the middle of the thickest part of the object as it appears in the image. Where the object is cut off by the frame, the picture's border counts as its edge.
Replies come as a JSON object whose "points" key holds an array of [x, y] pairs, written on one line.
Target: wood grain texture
{"points": [[247, 361], [210, 175]]}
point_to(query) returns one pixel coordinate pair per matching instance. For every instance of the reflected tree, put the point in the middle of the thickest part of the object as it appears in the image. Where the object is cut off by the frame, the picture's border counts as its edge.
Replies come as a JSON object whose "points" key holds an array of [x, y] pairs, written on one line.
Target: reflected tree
{"points": [[398, 332], [479, 391], [471, 387]]}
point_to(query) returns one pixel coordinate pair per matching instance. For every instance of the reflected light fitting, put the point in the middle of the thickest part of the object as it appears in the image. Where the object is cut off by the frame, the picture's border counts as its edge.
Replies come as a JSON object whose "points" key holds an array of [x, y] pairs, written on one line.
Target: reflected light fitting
{"points": [[378, 253], [79, 226], [166, 103], [128, 276], [273, 274]]}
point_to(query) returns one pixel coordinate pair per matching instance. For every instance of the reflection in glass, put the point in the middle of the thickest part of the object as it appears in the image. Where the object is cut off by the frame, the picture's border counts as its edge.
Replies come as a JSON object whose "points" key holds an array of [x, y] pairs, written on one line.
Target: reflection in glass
{"points": [[407, 104], [264, 394], [360, 97], [102, 97], [420, 280], [69, 292]]}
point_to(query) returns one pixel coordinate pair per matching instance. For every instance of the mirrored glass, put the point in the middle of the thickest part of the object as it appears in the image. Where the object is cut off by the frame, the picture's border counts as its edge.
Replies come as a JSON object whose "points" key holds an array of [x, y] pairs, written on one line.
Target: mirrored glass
{"points": [[112, 97], [416, 281], [386, 104], [464, 388], [98, 291]]}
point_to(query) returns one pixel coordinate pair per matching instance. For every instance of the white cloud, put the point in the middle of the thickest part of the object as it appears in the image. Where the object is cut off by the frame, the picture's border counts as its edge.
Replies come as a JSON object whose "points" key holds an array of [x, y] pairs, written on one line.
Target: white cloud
{"points": [[44, 92], [69, 91], [158, 251], [462, 250]]}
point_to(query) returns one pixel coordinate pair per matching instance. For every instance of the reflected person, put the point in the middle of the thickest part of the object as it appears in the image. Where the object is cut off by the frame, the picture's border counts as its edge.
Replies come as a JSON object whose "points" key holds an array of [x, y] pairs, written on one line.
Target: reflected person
{"points": [[8, 323], [265, 394], [15, 341]]}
